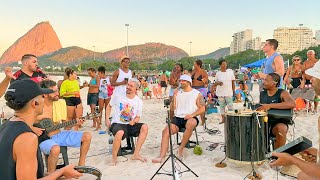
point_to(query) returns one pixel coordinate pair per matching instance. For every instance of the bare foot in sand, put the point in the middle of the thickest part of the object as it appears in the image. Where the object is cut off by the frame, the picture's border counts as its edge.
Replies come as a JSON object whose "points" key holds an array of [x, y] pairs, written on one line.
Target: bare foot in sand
{"points": [[139, 157], [114, 162], [158, 160], [93, 126]]}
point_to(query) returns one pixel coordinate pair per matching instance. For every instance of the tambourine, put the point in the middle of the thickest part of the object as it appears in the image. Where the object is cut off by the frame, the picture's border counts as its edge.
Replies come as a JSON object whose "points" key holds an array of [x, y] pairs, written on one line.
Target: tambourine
{"points": [[89, 170]]}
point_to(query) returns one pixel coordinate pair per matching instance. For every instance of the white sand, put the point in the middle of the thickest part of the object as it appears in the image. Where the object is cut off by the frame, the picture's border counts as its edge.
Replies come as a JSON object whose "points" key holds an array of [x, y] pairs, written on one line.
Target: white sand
{"points": [[154, 115]]}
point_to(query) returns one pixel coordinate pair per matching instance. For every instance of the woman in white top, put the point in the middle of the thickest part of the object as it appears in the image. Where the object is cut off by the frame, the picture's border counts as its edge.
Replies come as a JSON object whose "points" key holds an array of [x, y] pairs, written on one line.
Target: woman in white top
{"points": [[104, 98]]}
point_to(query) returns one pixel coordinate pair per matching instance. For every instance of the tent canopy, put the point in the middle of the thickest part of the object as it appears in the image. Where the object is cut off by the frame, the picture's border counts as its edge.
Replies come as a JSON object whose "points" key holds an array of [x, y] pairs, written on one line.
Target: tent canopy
{"points": [[258, 63]]}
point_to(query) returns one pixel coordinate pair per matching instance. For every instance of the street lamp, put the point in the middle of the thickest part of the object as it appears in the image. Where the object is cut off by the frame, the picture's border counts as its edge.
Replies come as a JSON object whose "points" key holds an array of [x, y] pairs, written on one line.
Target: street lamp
{"points": [[94, 50], [127, 39], [190, 48], [300, 25]]}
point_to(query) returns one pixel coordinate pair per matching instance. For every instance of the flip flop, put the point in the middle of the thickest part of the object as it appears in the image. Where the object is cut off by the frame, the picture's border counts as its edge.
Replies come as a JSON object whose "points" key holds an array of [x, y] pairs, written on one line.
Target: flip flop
{"points": [[212, 146]]}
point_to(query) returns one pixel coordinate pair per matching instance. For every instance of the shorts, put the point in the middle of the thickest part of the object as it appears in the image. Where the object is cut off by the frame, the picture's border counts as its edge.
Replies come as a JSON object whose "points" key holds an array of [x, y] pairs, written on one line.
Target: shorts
{"points": [[308, 81], [129, 131], [225, 101], [203, 90], [92, 98], [163, 84], [64, 138], [72, 101], [172, 91], [103, 95], [181, 123]]}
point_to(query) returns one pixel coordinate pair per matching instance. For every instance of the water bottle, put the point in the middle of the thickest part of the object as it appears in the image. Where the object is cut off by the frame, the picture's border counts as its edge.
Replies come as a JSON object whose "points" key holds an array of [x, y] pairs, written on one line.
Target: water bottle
{"points": [[110, 141]]}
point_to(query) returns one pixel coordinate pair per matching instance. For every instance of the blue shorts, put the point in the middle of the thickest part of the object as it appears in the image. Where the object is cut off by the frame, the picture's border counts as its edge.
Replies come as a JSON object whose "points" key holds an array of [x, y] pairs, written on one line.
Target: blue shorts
{"points": [[103, 95], [64, 138], [92, 98]]}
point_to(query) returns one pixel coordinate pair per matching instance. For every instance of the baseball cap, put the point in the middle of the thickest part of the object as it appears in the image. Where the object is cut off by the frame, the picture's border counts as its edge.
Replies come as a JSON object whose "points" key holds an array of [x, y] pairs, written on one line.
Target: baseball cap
{"points": [[314, 71], [186, 78], [22, 91], [123, 58]]}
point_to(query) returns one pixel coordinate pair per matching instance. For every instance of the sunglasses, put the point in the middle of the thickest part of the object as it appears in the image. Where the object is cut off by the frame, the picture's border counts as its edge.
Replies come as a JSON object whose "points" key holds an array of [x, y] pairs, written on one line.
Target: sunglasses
{"points": [[296, 59]]}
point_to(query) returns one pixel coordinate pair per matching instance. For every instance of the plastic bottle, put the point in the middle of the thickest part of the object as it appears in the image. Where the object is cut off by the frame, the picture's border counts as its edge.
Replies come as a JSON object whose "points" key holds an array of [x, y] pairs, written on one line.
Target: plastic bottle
{"points": [[110, 142]]}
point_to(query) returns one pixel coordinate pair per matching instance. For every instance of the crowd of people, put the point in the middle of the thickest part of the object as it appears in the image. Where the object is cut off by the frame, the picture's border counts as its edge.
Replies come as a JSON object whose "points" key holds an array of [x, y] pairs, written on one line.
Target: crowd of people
{"points": [[34, 97]]}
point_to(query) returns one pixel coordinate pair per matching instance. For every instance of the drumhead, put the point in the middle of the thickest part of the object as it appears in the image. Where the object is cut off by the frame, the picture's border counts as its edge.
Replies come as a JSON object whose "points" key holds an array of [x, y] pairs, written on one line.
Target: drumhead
{"points": [[246, 113]]}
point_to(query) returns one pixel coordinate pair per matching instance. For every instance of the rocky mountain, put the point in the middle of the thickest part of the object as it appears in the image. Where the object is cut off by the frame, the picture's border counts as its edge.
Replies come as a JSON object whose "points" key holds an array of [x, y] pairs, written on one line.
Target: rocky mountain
{"points": [[147, 51], [216, 54], [40, 40]]}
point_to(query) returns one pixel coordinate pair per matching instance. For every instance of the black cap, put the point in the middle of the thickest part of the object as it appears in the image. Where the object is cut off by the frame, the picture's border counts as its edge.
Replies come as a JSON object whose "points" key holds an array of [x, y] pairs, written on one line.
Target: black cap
{"points": [[24, 90]]}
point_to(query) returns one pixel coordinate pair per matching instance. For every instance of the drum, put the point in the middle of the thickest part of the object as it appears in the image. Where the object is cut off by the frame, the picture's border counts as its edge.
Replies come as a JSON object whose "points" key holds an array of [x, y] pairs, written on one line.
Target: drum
{"points": [[242, 132]]}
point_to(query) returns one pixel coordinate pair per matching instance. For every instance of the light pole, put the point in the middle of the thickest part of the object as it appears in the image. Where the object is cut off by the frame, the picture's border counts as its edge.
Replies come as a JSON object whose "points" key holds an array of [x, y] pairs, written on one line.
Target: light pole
{"points": [[127, 38], [300, 25], [94, 55], [190, 48]]}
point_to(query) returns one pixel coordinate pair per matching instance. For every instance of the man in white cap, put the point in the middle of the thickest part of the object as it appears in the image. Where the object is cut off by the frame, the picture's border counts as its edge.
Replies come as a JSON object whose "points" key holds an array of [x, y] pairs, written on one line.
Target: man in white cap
{"points": [[121, 77], [187, 104], [309, 170]]}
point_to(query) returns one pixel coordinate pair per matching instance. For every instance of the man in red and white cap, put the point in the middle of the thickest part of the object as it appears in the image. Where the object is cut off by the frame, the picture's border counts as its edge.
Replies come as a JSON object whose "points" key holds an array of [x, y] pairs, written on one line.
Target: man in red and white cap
{"points": [[187, 104]]}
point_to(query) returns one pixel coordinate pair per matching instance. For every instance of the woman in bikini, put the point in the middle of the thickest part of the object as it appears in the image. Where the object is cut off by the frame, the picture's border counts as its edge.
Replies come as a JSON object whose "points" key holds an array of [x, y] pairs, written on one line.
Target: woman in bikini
{"points": [[200, 81], [294, 76]]}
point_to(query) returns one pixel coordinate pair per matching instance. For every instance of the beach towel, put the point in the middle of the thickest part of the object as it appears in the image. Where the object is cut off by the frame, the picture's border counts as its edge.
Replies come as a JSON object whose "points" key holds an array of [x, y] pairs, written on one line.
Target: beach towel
{"points": [[59, 110]]}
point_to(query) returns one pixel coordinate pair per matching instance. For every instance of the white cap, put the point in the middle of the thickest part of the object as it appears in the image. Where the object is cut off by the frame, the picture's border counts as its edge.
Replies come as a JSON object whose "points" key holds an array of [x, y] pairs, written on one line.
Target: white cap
{"points": [[314, 71], [186, 78]]}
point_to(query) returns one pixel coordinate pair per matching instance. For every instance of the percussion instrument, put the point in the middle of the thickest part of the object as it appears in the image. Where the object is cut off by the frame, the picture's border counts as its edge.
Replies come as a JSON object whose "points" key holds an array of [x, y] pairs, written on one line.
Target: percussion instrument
{"points": [[89, 170], [245, 136]]}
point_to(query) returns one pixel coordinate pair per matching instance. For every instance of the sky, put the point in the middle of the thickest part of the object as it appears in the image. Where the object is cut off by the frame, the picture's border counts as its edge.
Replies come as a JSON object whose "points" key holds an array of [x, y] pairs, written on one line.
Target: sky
{"points": [[208, 24]]}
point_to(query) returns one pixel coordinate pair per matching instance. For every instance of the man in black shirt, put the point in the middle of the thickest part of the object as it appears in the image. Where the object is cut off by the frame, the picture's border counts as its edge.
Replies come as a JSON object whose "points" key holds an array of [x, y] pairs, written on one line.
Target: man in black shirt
{"points": [[20, 157], [29, 70], [273, 98]]}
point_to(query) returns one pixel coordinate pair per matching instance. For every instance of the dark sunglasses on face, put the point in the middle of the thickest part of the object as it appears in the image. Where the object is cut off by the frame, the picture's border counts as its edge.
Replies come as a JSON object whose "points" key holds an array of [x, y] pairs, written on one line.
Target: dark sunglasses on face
{"points": [[296, 59]]}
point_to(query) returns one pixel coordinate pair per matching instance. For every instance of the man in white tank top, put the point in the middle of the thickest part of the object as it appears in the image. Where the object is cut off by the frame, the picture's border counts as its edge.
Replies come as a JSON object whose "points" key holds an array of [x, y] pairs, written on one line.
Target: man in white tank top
{"points": [[187, 104], [121, 76]]}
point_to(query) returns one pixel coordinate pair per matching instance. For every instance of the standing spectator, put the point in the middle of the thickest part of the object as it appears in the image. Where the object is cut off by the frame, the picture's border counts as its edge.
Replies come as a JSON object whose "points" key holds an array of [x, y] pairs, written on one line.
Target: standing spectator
{"points": [[121, 77], [164, 81], [225, 88], [173, 81], [274, 61], [70, 91], [93, 94], [104, 97]]}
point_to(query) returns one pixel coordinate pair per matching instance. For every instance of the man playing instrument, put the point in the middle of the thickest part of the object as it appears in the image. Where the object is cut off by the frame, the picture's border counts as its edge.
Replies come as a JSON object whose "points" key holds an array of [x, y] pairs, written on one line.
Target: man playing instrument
{"points": [[274, 98], [58, 138]]}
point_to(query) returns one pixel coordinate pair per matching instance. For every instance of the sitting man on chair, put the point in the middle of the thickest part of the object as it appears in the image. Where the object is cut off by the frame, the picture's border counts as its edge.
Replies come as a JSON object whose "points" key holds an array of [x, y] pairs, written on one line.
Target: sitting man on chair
{"points": [[273, 98], [187, 104], [55, 109], [125, 120]]}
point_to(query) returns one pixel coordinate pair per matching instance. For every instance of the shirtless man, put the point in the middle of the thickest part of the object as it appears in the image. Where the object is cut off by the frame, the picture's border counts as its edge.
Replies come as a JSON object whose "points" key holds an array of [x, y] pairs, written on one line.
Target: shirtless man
{"points": [[309, 63]]}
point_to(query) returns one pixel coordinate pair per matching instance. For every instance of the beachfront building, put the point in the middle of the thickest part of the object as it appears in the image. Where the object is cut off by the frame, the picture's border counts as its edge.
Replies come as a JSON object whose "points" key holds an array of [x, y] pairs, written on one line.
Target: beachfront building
{"points": [[293, 39], [317, 37], [243, 41]]}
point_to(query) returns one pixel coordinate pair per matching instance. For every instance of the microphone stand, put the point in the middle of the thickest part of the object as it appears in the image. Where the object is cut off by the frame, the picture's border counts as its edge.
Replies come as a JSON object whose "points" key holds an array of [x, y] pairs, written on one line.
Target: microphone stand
{"points": [[172, 156]]}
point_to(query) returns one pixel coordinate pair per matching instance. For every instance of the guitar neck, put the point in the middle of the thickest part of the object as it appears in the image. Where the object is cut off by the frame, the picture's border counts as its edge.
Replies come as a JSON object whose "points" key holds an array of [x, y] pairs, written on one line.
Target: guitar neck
{"points": [[62, 125]]}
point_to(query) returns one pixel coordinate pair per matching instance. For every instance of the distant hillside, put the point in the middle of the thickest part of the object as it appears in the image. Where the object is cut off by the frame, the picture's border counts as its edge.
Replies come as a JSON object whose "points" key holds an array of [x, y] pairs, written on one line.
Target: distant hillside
{"points": [[71, 55], [146, 52], [216, 54]]}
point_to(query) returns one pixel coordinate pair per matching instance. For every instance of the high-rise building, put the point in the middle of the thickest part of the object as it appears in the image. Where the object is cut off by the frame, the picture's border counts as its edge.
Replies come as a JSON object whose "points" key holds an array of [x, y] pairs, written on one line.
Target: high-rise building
{"points": [[293, 39], [243, 40], [317, 36]]}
